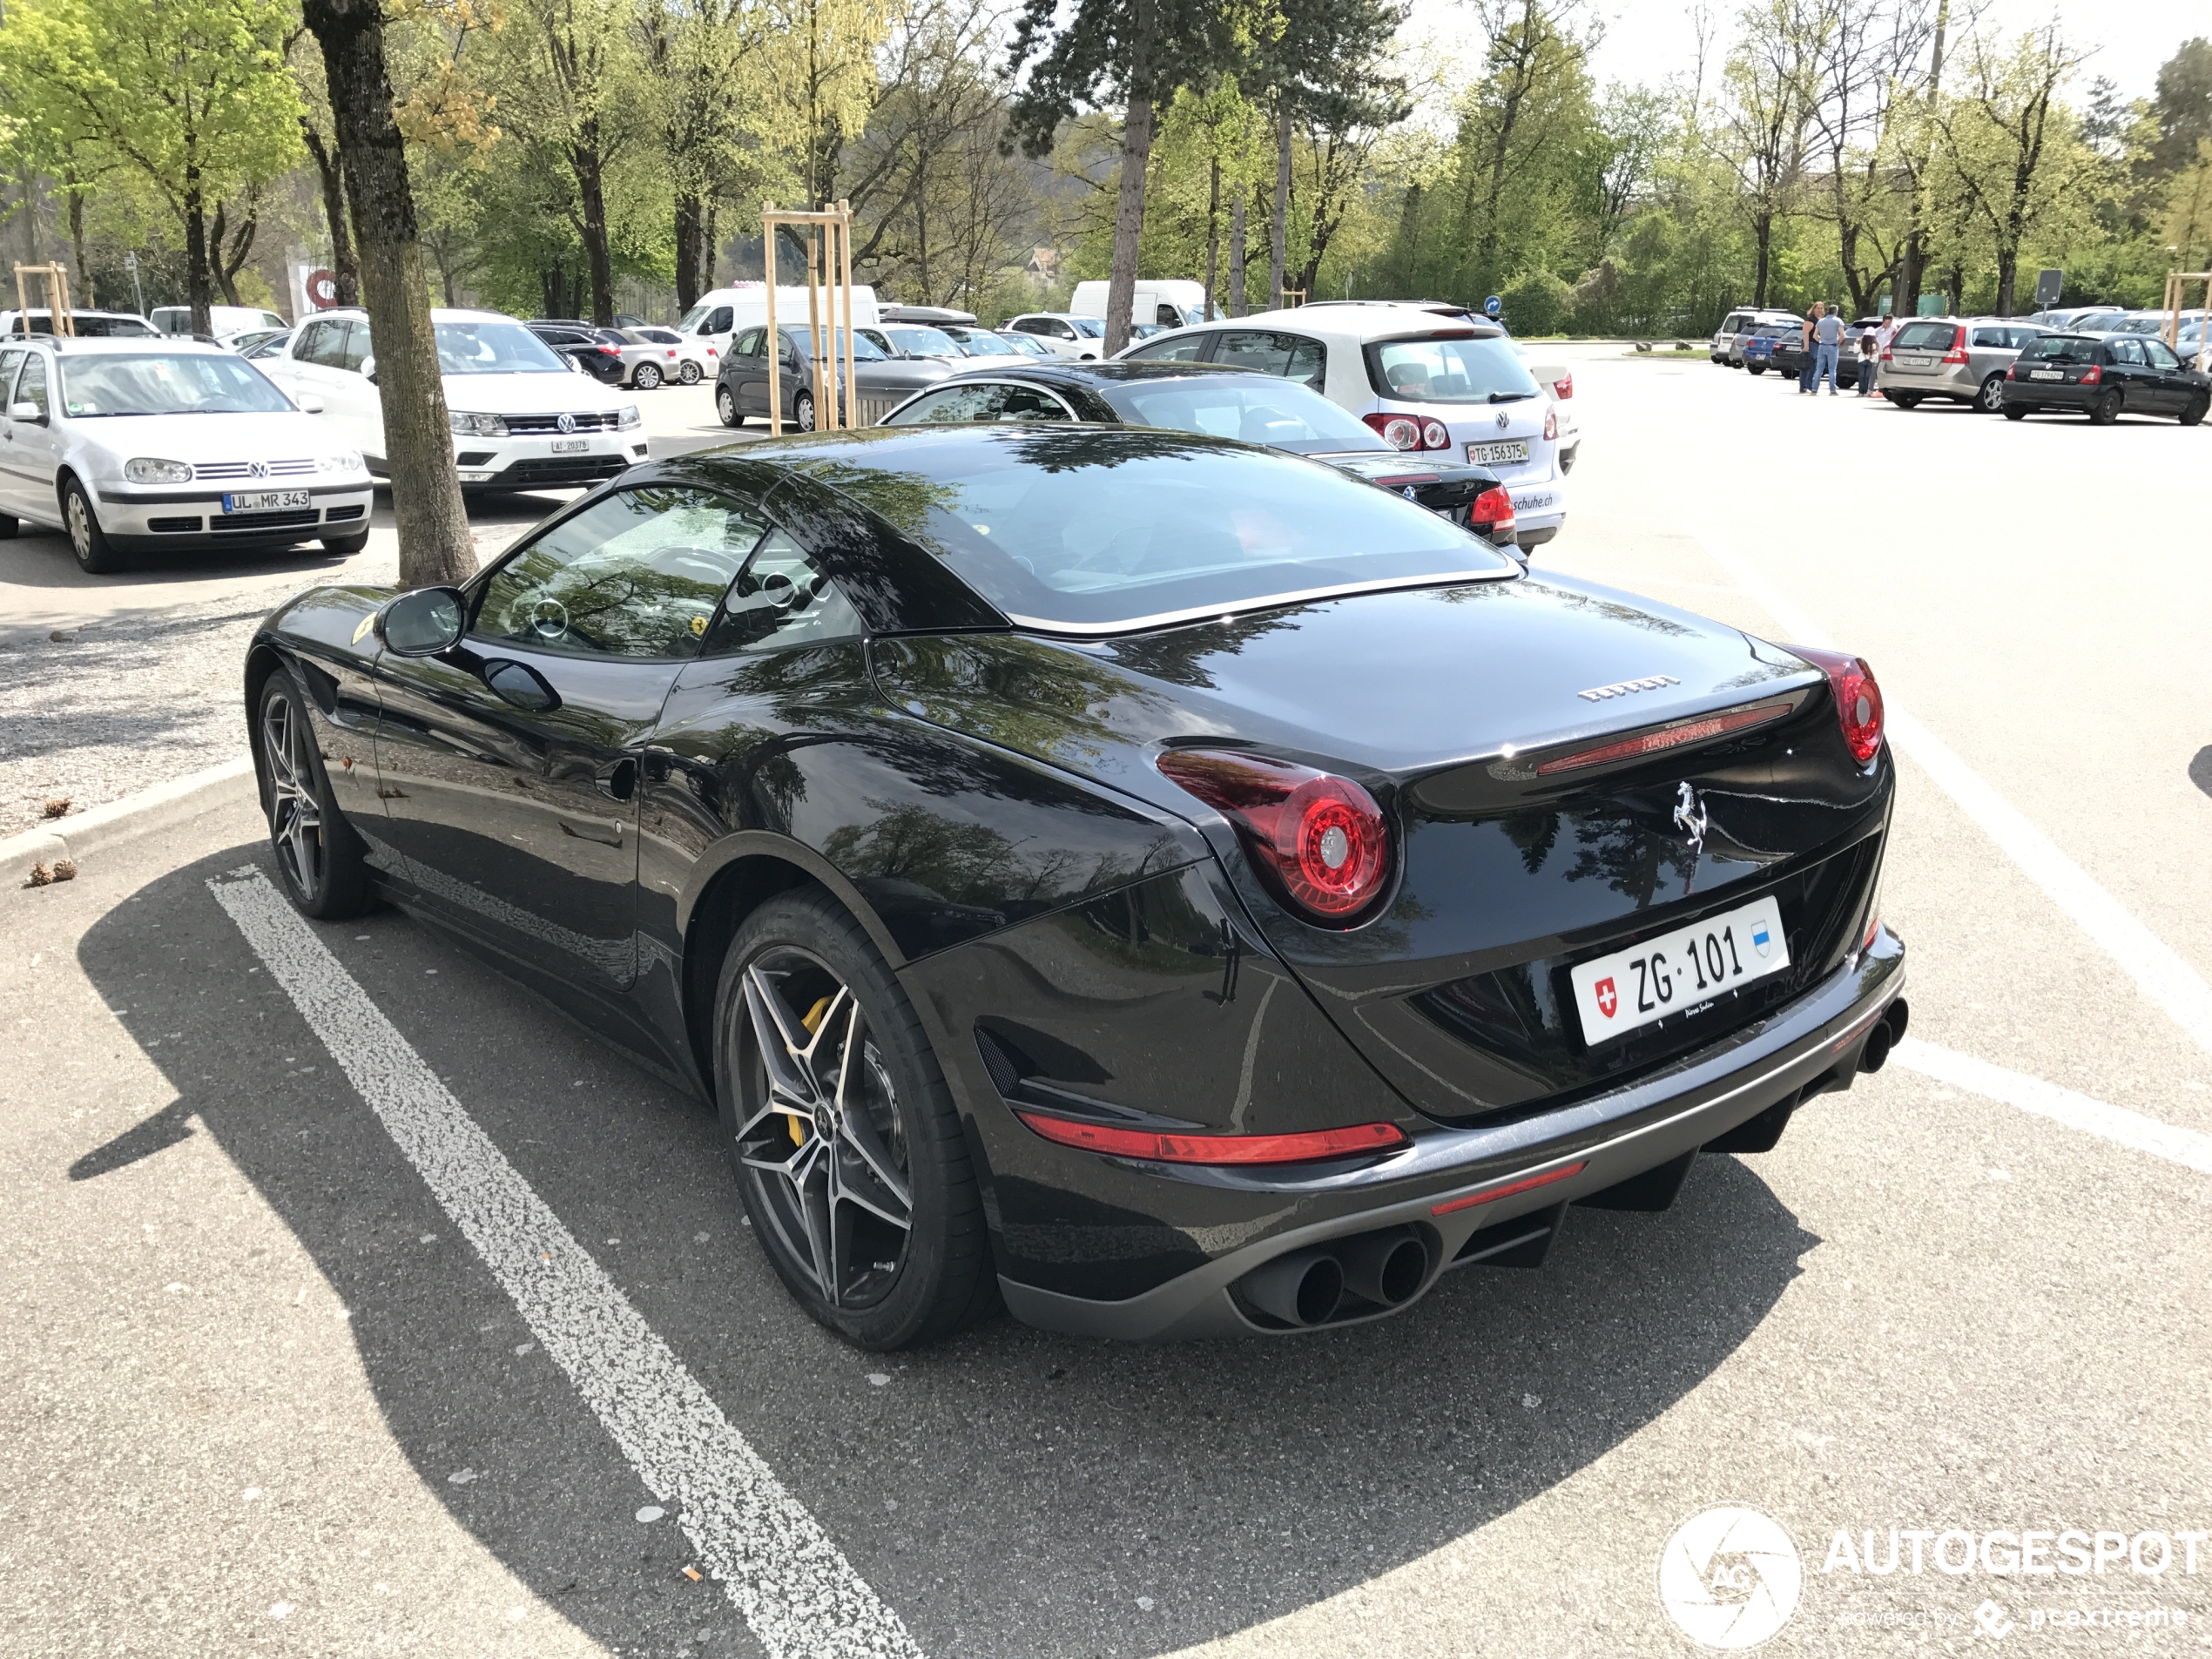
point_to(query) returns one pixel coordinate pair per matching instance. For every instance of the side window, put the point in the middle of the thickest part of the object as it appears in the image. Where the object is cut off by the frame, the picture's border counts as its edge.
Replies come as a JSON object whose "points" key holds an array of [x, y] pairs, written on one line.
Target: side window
{"points": [[31, 388], [748, 343], [1024, 403], [1027, 325], [1262, 352], [1059, 330], [783, 598], [721, 321], [1174, 348], [2124, 350], [9, 360], [954, 406], [2159, 354], [356, 347], [639, 574], [307, 348]]}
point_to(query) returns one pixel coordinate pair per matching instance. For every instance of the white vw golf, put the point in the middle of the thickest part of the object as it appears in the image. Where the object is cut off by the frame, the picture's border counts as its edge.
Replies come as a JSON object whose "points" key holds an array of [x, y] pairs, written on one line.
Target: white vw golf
{"points": [[160, 446], [523, 416]]}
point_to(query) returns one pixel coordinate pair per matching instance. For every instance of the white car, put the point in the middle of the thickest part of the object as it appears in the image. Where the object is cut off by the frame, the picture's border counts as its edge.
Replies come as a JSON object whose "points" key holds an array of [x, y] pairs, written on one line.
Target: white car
{"points": [[1558, 380], [523, 417], [1062, 332], [227, 323], [1435, 385], [652, 356], [87, 324], [167, 446]]}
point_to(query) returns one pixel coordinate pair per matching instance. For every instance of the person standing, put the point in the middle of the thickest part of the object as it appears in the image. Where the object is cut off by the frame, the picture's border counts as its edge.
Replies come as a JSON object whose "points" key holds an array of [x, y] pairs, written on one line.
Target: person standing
{"points": [[1828, 333], [1808, 354], [1867, 348]]}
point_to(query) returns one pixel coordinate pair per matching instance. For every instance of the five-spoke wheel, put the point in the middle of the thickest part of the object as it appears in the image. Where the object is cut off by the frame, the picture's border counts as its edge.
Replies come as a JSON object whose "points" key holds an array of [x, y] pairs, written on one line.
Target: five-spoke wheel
{"points": [[318, 859]]}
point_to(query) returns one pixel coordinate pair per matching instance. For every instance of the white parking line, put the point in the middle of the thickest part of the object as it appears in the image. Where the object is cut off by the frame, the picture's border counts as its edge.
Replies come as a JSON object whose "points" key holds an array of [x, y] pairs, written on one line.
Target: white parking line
{"points": [[2163, 975], [791, 1582], [2186, 1147]]}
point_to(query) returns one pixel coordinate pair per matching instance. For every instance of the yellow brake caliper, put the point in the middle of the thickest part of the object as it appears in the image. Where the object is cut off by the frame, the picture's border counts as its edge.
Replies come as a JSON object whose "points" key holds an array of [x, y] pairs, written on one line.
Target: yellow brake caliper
{"points": [[812, 1022]]}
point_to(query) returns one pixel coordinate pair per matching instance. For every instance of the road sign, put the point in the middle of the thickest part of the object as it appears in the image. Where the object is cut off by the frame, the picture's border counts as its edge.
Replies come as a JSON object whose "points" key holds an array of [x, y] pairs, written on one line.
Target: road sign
{"points": [[322, 289], [129, 261], [1493, 306], [2050, 285]]}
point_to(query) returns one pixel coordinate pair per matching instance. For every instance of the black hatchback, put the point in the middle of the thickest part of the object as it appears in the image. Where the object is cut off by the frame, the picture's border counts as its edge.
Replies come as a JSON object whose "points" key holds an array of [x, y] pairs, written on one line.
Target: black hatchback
{"points": [[2105, 376], [595, 350]]}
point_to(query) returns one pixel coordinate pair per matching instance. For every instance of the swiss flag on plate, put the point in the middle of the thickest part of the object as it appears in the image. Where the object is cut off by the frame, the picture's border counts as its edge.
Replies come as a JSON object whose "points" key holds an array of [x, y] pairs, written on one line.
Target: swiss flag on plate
{"points": [[1608, 999]]}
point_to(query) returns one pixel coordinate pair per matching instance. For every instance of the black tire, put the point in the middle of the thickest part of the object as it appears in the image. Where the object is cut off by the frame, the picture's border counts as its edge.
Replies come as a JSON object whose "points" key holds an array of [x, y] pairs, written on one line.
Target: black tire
{"points": [[1991, 397], [345, 547], [2193, 415], [801, 964], [802, 411], [96, 555], [647, 377], [2016, 411], [1906, 400], [2105, 408], [7, 526], [725, 405], [689, 373], [321, 862], [1756, 368]]}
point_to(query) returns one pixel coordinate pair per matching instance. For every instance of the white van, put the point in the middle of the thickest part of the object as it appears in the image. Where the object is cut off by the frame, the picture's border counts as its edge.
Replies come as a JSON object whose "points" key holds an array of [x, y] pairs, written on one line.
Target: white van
{"points": [[1172, 302], [744, 304], [226, 321]]}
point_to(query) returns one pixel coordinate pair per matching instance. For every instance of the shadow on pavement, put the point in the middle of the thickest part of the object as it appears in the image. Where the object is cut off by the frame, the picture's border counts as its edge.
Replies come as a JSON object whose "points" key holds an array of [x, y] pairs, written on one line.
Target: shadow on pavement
{"points": [[1009, 1492]]}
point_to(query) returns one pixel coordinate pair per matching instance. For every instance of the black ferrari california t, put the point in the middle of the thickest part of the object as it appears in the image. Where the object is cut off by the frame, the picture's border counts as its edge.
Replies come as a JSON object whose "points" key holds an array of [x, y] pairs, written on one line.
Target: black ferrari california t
{"points": [[1161, 884]]}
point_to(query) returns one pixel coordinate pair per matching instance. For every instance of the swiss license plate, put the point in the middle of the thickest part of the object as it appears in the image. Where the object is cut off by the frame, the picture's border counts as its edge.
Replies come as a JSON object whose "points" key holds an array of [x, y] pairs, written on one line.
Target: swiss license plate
{"points": [[267, 501], [2046, 374], [1489, 454], [1911, 362], [568, 445], [1679, 973]]}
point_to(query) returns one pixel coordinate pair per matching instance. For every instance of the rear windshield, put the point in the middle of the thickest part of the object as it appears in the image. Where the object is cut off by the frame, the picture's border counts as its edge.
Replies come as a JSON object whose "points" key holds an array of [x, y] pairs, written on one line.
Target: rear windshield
{"points": [[1101, 529], [926, 342], [2060, 349], [982, 342], [1926, 337], [1449, 371], [1279, 414]]}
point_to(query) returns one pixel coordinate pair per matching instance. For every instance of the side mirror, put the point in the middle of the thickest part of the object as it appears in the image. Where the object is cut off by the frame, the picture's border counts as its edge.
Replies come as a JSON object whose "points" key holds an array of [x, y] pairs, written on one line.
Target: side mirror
{"points": [[369, 368], [27, 413], [523, 685], [423, 623], [309, 403]]}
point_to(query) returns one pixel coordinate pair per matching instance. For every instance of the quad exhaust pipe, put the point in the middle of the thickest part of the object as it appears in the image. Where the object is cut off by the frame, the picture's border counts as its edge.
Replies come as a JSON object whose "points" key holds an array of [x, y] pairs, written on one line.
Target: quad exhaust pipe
{"points": [[1307, 1286]]}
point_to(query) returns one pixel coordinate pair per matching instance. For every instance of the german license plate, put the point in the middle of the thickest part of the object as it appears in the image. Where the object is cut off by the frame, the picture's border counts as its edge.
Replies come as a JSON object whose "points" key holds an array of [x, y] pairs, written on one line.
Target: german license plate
{"points": [[1514, 451], [1683, 972], [267, 501], [568, 445], [2046, 374]]}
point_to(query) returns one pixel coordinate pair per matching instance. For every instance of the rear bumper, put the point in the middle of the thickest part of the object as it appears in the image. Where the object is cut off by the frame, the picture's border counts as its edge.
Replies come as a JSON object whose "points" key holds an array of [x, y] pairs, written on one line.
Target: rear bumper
{"points": [[2048, 395], [1962, 386], [1576, 1153]]}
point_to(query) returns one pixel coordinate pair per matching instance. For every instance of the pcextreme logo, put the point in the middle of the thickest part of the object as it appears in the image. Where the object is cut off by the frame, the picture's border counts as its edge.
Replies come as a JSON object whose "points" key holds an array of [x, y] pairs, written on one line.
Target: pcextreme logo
{"points": [[1728, 1577]]}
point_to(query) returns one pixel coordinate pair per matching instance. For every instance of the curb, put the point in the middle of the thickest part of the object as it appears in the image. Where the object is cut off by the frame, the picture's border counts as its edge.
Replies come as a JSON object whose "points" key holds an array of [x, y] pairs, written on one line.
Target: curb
{"points": [[118, 821]]}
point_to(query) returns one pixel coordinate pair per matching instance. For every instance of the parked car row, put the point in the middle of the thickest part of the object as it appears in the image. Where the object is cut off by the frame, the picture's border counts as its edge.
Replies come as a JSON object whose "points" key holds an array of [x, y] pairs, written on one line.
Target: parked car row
{"points": [[2102, 362]]}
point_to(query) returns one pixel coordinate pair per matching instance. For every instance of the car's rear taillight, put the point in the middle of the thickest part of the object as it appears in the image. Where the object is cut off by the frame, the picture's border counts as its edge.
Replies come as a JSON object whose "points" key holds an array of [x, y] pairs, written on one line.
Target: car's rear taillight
{"points": [[1398, 431], [2092, 376], [1957, 351], [1858, 700], [2012, 371], [1491, 512], [1551, 425], [1563, 386], [1318, 840], [1435, 435], [1885, 355]]}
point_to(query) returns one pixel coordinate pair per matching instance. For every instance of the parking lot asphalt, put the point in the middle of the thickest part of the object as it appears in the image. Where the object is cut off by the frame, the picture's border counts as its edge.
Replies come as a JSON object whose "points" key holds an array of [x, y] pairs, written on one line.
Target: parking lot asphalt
{"points": [[278, 1375]]}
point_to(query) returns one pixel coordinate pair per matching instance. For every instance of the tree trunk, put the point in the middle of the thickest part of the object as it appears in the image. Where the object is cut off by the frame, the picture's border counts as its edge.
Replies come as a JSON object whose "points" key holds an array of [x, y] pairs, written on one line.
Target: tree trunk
{"points": [[1137, 160], [435, 546], [1279, 224], [712, 250], [1213, 242], [82, 271], [223, 279], [345, 269], [688, 231], [590, 192], [199, 290], [1762, 228], [2007, 274], [1237, 251]]}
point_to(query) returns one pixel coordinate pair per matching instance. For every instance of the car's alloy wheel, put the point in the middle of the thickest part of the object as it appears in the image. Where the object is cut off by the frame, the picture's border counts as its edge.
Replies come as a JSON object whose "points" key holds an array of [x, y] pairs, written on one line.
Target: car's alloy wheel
{"points": [[2106, 408], [842, 1134], [647, 377], [87, 541], [725, 406], [1992, 395], [318, 859], [802, 411], [689, 373]]}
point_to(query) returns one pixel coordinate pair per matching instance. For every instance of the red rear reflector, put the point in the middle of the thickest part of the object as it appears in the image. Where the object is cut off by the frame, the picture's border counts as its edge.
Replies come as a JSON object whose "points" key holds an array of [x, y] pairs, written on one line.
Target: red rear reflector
{"points": [[1215, 1149], [1491, 1195], [1668, 737]]}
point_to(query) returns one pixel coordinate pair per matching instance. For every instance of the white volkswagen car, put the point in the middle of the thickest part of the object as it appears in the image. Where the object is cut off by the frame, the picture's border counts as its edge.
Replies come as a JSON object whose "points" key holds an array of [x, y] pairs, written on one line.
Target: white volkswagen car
{"points": [[523, 417], [1443, 385], [164, 446]]}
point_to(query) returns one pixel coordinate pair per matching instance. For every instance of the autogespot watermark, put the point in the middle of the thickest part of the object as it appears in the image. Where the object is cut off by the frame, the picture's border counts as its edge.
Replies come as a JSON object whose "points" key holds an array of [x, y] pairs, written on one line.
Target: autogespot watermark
{"points": [[1731, 1577]]}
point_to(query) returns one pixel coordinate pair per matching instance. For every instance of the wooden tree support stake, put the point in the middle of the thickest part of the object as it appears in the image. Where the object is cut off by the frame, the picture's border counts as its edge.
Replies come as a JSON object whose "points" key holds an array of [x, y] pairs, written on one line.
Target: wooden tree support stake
{"points": [[827, 238], [64, 320]]}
